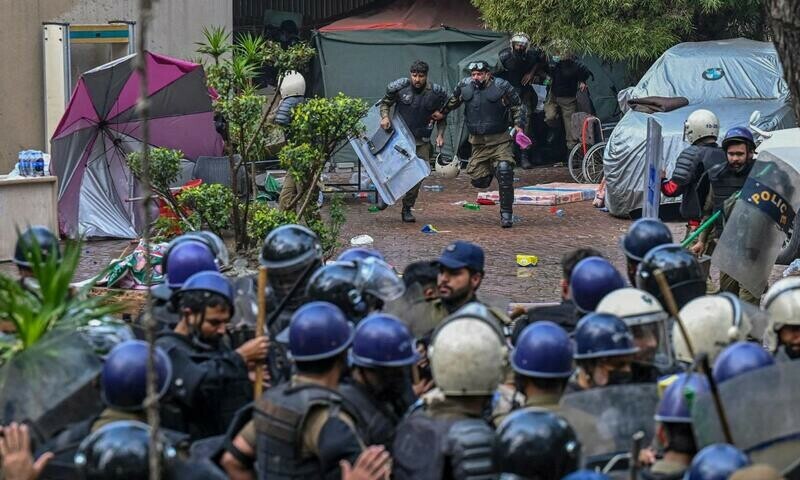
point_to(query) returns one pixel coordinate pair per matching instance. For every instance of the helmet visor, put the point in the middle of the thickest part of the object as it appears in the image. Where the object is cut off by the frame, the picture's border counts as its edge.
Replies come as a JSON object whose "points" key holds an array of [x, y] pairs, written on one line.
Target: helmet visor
{"points": [[653, 343], [377, 278]]}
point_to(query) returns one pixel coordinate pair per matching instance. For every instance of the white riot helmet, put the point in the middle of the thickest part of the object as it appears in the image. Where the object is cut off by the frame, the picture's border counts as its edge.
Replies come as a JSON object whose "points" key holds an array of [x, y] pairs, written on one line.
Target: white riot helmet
{"points": [[293, 85], [445, 169], [468, 356], [782, 304], [713, 322], [522, 38], [700, 124], [646, 318]]}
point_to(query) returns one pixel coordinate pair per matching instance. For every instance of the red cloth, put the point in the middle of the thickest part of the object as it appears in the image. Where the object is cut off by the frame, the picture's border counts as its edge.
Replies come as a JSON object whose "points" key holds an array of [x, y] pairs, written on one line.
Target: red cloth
{"points": [[413, 15], [670, 188]]}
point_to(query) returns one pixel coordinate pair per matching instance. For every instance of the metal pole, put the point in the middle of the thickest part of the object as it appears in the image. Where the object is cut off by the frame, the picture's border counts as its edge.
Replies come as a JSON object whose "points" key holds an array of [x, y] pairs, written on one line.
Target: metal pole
{"points": [[258, 386], [672, 307]]}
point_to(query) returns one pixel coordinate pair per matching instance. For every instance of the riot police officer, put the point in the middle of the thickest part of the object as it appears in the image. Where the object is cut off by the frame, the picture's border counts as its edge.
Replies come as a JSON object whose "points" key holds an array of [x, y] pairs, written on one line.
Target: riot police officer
{"points": [[418, 102], [304, 427], [536, 444], [448, 432], [782, 303], [674, 428], [642, 236], [701, 130], [357, 288], [519, 65], [487, 101], [293, 90], [210, 380], [291, 254], [716, 461], [592, 279], [378, 387], [542, 363], [604, 352], [726, 180], [681, 269], [713, 322], [26, 242], [185, 256], [647, 321], [740, 358]]}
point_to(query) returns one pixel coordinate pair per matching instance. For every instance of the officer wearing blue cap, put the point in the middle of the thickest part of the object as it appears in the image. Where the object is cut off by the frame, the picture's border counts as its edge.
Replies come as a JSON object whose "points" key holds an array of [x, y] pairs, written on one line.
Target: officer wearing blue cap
{"points": [[210, 380], [303, 428], [717, 462], [740, 358], [542, 363], [379, 387], [674, 427]]}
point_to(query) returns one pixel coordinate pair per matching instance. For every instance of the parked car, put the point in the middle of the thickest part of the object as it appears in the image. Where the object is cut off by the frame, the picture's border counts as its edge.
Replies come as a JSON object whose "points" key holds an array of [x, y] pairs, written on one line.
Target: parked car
{"points": [[732, 78]]}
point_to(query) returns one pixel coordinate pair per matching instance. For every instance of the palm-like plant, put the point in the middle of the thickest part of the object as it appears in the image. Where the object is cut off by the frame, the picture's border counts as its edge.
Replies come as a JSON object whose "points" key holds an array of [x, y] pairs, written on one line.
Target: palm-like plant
{"points": [[217, 42], [51, 303]]}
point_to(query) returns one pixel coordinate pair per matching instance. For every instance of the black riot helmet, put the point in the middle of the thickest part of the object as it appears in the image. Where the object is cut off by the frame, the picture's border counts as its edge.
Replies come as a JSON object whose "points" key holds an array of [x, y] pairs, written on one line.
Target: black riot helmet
{"points": [[119, 451], [536, 444], [681, 269], [644, 235], [42, 236], [290, 252], [357, 288]]}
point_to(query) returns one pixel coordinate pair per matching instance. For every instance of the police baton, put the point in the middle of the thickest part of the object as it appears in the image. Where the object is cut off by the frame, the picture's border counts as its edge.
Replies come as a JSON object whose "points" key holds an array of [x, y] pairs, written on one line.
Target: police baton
{"points": [[702, 362], [258, 386], [672, 307], [636, 448]]}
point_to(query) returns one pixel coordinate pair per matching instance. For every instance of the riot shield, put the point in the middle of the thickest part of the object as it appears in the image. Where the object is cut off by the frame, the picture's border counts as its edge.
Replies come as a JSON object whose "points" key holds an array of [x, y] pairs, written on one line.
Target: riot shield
{"points": [[420, 315], [394, 168], [605, 419], [51, 379], [761, 408], [763, 215]]}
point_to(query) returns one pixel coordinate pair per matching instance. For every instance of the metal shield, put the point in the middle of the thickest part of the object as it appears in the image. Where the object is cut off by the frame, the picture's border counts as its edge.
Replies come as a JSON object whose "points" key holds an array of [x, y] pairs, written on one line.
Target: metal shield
{"points": [[395, 168], [605, 419]]}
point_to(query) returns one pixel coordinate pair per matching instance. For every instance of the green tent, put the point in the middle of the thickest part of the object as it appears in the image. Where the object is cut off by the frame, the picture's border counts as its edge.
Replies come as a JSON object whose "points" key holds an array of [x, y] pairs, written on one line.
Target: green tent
{"points": [[360, 55]]}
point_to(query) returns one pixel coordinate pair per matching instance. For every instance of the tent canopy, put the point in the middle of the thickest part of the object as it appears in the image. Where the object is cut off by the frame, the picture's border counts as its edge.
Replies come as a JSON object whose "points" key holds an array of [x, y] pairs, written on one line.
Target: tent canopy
{"points": [[360, 55]]}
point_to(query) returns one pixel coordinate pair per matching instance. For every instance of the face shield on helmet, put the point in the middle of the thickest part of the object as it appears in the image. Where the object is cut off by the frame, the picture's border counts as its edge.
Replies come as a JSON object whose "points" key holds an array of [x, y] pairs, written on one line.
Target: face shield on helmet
{"points": [[377, 278], [782, 304], [447, 168], [647, 321]]}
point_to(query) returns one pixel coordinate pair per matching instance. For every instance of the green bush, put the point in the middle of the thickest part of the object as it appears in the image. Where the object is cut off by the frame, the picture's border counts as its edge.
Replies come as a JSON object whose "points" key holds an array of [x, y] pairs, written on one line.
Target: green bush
{"points": [[211, 206], [165, 166], [264, 219]]}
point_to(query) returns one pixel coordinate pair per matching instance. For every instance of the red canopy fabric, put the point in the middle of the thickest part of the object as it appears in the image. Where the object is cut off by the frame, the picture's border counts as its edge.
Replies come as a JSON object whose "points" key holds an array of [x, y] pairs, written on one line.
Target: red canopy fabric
{"points": [[413, 15]]}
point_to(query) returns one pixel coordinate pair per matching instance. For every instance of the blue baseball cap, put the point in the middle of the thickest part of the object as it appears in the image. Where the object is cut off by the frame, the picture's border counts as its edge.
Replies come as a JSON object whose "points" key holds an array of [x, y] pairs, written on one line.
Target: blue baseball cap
{"points": [[461, 254]]}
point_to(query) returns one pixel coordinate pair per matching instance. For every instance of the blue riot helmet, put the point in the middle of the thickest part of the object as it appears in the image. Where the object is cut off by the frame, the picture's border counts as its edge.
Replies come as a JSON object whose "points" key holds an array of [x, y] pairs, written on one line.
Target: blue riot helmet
{"points": [[359, 253], [543, 350], [124, 375], [591, 280], [716, 462], [383, 341], [740, 358], [644, 235], [185, 259], [600, 335], [674, 406], [586, 475], [535, 444], [318, 330], [209, 282], [739, 134]]}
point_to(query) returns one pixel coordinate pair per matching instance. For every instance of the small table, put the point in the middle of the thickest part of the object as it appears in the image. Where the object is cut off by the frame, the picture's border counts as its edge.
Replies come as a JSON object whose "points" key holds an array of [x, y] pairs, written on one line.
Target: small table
{"points": [[25, 201]]}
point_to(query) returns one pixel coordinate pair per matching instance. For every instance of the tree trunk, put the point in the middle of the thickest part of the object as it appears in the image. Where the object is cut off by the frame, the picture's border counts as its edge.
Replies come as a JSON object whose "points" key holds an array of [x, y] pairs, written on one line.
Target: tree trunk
{"points": [[784, 18]]}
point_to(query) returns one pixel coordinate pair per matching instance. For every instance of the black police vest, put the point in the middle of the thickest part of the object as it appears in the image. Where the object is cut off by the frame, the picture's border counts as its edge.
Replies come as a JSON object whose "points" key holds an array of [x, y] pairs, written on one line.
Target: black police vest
{"points": [[692, 163], [517, 65], [283, 116], [416, 108], [280, 416], [725, 182], [376, 425], [425, 447], [484, 109]]}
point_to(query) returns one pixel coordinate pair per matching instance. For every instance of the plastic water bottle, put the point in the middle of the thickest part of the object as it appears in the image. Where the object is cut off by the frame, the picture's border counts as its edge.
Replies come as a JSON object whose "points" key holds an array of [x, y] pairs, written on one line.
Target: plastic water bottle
{"points": [[472, 206], [26, 163], [433, 188], [38, 164], [20, 156], [560, 213]]}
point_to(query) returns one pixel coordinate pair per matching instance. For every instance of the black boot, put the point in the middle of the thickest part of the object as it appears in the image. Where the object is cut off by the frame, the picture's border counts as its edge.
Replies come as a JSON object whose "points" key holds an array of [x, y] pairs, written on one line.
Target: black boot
{"points": [[525, 159], [407, 216], [505, 183]]}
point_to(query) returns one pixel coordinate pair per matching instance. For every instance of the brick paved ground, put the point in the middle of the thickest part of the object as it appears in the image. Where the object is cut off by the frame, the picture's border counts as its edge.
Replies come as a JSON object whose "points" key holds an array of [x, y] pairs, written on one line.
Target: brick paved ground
{"points": [[539, 232]]}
